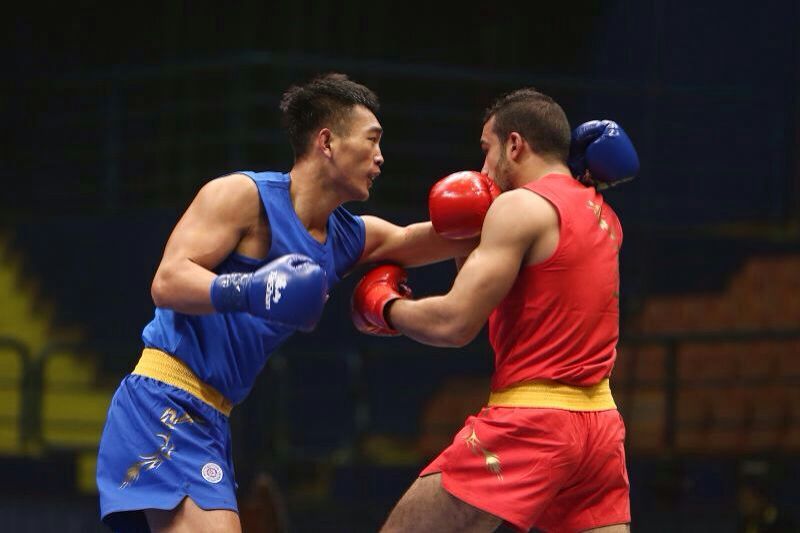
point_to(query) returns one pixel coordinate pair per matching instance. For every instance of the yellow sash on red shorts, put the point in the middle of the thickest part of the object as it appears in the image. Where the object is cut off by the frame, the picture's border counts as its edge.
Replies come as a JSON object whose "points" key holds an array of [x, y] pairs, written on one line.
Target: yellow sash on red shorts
{"points": [[546, 393]]}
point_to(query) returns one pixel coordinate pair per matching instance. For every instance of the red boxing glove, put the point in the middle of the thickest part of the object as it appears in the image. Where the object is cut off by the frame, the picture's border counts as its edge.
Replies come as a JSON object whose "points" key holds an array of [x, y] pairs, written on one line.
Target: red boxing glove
{"points": [[458, 203], [377, 288]]}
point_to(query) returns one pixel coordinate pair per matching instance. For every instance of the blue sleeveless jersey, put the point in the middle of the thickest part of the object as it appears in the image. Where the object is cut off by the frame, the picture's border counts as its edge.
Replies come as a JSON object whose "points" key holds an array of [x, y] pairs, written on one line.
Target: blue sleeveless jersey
{"points": [[228, 350]]}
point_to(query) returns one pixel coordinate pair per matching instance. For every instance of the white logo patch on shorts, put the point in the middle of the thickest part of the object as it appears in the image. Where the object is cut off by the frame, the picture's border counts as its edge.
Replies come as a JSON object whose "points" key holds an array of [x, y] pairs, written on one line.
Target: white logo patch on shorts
{"points": [[212, 472]]}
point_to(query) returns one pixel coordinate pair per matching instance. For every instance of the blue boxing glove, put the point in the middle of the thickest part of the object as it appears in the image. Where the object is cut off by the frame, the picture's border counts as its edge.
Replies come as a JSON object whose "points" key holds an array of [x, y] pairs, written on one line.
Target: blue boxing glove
{"points": [[290, 291], [602, 154]]}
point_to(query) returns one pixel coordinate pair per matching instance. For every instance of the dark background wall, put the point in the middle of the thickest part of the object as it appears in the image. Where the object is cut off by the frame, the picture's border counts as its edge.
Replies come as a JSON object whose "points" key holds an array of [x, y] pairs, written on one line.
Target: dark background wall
{"points": [[115, 116], [122, 114]]}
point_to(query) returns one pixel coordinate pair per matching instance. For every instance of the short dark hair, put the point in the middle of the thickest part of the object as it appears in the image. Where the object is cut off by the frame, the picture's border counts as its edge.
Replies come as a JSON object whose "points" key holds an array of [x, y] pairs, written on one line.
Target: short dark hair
{"points": [[535, 116], [325, 101]]}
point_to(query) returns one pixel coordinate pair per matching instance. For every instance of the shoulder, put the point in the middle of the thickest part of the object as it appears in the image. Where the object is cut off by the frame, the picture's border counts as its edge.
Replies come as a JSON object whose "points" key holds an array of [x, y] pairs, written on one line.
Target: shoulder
{"points": [[232, 196], [374, 225], [521, 204], [229, 187], [519, 215]]}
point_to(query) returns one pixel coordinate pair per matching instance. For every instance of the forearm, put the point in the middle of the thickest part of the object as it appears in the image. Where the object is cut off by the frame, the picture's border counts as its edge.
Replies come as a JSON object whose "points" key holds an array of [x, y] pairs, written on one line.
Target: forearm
{"points": [[433, 321], [421, 245], [183, 287]]}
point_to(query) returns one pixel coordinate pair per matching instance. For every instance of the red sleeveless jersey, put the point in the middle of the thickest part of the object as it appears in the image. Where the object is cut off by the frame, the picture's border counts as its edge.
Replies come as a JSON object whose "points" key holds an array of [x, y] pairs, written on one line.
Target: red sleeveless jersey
{"points": [[560, 320]]}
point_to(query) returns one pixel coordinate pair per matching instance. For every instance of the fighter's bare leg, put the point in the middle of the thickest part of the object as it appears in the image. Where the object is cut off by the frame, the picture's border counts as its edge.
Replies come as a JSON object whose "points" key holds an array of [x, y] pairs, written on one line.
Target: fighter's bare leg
{"points": [[188, 517], [426, 506]]}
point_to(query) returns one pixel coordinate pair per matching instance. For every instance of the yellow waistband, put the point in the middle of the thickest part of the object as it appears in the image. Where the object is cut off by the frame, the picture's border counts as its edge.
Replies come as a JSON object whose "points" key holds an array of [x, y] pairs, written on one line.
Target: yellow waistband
{"points": [[164, 367], [555, 395]]}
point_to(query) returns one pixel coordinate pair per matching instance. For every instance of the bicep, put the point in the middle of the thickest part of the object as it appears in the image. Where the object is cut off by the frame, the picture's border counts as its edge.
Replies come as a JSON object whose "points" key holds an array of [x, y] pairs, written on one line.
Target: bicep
{"points": [[378, 234], [512, 226], [486, 276], [413, 245]]}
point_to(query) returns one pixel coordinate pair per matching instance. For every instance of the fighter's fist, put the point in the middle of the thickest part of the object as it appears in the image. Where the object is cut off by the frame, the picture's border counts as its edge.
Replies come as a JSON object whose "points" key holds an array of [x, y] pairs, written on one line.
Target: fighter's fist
{"points": [[458, 203], [602, 152], [290, 291], [377, 288]]}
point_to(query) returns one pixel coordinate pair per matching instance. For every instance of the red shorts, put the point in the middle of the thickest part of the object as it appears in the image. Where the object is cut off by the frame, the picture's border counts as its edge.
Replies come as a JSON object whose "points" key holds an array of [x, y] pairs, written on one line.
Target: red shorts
{"points": [[552, 469]]}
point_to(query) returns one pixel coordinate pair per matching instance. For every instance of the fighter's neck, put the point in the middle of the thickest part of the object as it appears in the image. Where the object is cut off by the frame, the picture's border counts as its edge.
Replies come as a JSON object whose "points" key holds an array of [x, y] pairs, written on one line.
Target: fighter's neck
{"points": [[535, 172], [312, 198]]}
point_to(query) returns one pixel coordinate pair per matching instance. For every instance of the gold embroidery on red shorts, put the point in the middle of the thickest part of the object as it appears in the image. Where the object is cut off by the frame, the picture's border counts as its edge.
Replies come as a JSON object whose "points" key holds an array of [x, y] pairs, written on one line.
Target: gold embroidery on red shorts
{"points": [[491, 458]]}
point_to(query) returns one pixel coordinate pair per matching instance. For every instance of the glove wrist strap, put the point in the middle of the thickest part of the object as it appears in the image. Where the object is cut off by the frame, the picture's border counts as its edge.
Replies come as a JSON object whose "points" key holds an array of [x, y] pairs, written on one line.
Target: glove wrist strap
{"points": [[385, 314], [229, 292]]}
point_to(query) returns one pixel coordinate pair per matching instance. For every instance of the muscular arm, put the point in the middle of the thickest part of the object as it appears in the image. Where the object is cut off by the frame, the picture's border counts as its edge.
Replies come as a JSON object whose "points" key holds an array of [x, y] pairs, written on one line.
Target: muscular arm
{"points": [[413, 245], [221, 214], [513, 223]]}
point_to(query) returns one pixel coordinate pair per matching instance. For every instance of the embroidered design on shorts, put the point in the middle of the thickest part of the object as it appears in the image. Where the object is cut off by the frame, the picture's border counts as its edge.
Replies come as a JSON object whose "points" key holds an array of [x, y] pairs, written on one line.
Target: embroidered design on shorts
{"points": [[212, 472], [170, 418], [491, 458], [155, 459]]}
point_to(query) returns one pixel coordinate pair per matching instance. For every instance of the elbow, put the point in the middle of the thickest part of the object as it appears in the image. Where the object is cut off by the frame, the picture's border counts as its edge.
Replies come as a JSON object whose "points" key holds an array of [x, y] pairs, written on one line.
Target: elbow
{"points": [[459, 334], [159, 289]]}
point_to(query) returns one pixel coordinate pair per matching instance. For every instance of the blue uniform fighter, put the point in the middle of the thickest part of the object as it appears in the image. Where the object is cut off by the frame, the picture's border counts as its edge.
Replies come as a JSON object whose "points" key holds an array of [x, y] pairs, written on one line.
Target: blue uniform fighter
{"points": [[251, 261]]}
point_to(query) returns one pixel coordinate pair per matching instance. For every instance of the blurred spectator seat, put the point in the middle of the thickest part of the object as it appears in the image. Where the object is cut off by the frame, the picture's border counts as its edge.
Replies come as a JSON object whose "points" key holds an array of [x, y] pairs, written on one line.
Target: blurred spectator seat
{"points": [[693, 417], [637, 382], [73, 407], [642, 410], [25, 318], [74, 410], [637, 365], [707, 363], [790, 437], [731, 410], [769, 418], [762, 295], [737, 419], [732, 396]]}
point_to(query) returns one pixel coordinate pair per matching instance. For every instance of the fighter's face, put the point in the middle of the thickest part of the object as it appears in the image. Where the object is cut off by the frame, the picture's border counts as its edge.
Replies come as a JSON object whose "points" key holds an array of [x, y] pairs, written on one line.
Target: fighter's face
{"points": [[495, 163], [357, 152]]}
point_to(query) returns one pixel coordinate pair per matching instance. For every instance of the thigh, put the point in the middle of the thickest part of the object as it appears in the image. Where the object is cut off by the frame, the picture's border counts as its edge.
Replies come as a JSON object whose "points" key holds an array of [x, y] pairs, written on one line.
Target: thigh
{"points": [[597, 496], [511, 462], [188, 517], [426, 506]]}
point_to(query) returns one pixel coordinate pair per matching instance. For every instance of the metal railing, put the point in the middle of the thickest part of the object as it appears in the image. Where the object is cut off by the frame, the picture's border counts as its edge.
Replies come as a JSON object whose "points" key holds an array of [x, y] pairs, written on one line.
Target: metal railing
{"points": [[26, 418]]}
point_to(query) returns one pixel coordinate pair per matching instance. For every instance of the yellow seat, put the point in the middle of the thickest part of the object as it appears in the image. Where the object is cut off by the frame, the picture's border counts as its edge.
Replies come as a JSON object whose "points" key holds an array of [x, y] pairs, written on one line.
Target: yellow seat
{"points": [[68, 370], [74, 418]]}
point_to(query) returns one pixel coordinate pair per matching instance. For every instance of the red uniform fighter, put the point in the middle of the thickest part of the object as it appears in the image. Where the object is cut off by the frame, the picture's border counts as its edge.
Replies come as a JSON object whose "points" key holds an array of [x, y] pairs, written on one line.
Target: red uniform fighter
{"points": [[547, 450]]}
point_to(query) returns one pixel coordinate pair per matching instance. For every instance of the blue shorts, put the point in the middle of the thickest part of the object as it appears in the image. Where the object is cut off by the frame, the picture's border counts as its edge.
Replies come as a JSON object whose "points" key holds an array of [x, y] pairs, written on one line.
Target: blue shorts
{"points": [[159, 445]]}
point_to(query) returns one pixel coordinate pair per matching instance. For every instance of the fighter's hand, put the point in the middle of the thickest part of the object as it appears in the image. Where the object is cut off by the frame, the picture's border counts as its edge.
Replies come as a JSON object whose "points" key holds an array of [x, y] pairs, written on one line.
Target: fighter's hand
{"points": [[290, 291], [458, 203], [602, 152], [376, 289]]}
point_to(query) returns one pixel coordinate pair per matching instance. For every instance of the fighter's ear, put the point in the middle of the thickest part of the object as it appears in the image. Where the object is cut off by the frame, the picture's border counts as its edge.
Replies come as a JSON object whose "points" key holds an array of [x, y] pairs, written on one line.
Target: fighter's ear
{"points": [[322, 141], [514, 145]]}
